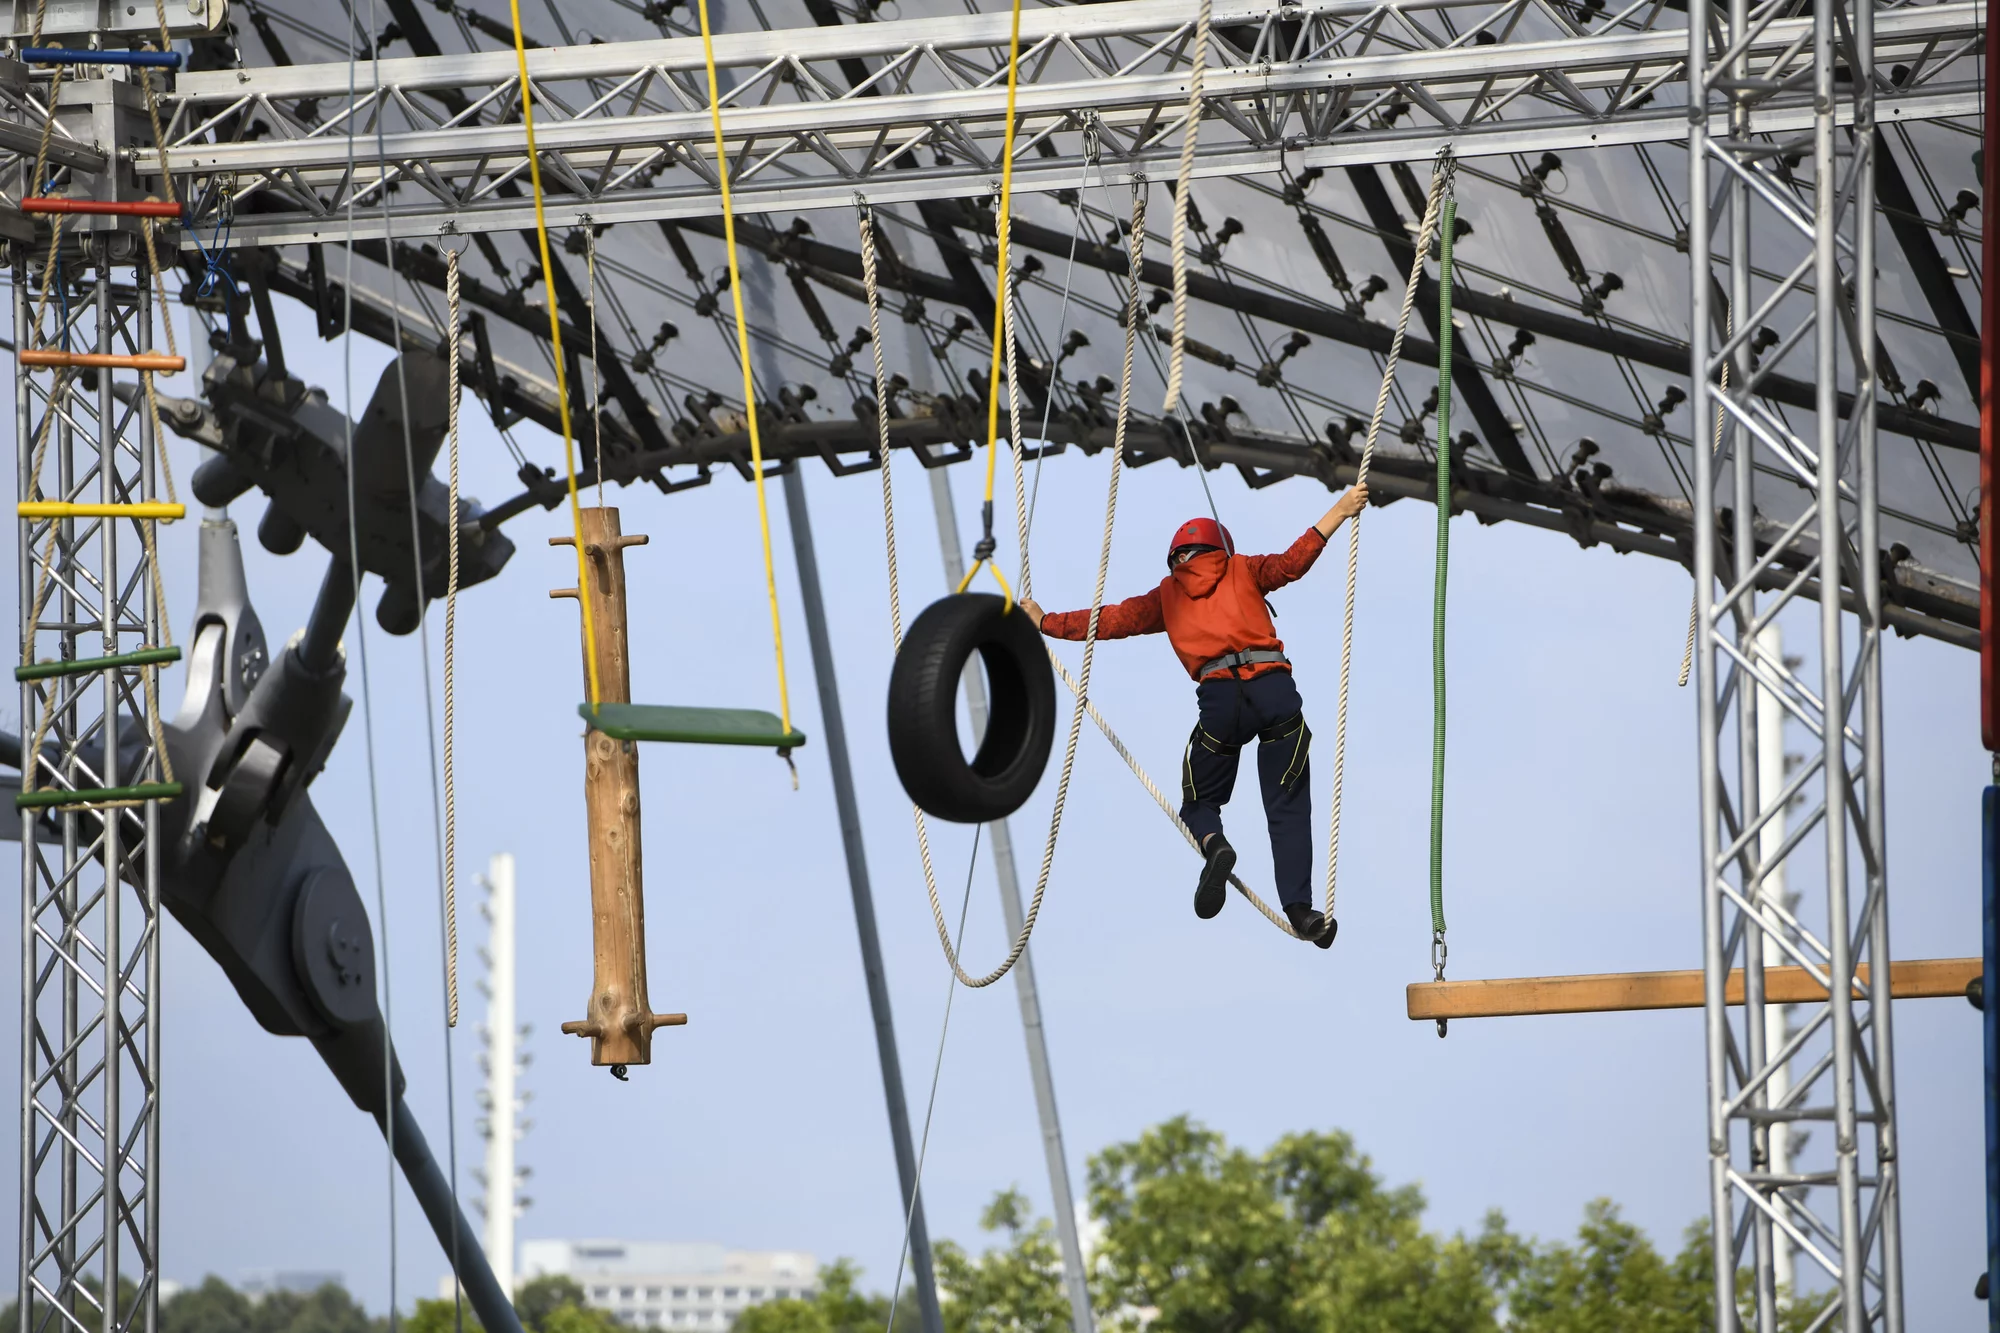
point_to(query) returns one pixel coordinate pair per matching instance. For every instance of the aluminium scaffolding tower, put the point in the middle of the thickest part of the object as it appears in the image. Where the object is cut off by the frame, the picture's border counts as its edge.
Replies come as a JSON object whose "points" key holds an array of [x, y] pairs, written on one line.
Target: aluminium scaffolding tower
{"points": [[1777, 214], [92, 640]]}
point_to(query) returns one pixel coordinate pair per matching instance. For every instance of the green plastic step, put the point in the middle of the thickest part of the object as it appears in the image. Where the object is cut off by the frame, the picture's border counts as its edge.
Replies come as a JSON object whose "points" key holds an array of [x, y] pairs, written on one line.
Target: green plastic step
{"points": [[691, 726]]}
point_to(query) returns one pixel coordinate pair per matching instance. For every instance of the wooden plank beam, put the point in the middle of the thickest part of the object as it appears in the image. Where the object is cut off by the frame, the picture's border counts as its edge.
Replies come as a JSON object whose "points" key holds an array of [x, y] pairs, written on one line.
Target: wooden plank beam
{"points": [[1616, 992]]}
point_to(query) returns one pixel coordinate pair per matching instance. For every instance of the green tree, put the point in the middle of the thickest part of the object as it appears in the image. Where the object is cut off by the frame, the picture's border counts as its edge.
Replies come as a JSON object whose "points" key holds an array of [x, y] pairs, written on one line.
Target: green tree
{"points": [[1017, 1288], [1612, 1279], [555, 1304], [217, 1307], [836, 1307], [1200, 1236]]}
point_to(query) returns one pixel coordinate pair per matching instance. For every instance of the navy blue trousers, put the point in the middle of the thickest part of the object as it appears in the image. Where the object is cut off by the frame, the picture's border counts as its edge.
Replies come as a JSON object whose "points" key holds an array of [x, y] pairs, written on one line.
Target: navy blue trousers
{"points": [[1265, 709]]}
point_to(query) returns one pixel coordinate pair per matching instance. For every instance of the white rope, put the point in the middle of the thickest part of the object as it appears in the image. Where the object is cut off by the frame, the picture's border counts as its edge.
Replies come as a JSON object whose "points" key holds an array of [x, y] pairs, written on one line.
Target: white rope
{"points": [[1441, 177], [1182, 189], [450, 640], [1082, 688], [1160, 797]]}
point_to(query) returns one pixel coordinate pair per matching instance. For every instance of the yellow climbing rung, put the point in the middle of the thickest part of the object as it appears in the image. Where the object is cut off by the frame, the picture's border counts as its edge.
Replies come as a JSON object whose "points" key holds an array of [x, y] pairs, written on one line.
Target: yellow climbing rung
{"points": [[57, 358], [158, 509]]}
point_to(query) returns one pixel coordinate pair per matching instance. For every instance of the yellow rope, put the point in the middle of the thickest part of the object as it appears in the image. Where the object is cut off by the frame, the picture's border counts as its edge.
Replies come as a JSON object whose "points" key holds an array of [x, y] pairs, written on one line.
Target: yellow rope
{"points": [[1001, 332], [562, 379], [743, 354]]}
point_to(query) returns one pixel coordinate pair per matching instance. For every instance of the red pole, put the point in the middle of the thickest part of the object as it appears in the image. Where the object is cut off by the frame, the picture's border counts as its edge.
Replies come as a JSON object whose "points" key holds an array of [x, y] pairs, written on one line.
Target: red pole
{"points": [[139, 208], [1989, 345]]}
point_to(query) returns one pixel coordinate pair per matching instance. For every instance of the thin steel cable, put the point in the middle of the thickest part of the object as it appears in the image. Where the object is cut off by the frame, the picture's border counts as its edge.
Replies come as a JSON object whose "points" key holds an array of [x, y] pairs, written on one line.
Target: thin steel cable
{"points": [[447, 913], [367, 694], [1091, 151], [1694, 598], [1182, 192], [930, 1104], [596, 380], [1441, 176]]}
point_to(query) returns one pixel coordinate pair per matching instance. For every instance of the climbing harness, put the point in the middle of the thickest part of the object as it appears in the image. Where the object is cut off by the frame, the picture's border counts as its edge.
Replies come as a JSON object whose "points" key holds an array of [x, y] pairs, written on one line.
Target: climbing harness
{"points": [[1197, 70], [1445, 229], [1082, 686], [1442, 174]]}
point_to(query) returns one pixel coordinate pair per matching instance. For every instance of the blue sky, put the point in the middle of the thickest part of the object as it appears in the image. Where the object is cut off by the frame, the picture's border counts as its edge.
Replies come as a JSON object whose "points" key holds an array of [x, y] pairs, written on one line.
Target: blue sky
{"points": [[1570, 848]]}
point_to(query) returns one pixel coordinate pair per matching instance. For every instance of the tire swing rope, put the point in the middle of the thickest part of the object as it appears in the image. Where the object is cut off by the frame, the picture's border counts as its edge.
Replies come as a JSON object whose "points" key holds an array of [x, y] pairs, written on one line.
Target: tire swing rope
{"points": [[1003, 337], [1080, 687], [1442, 173]]}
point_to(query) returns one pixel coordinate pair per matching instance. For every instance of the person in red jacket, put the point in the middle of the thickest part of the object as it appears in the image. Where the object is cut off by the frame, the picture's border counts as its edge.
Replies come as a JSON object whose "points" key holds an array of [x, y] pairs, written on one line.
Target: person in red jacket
{"points": [[1211, 606]]}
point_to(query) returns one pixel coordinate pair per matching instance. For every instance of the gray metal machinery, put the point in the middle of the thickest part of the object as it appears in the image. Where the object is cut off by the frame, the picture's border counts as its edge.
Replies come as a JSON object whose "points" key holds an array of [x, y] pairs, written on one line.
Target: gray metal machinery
{"points": [[1804, 112], [1781, 203]]}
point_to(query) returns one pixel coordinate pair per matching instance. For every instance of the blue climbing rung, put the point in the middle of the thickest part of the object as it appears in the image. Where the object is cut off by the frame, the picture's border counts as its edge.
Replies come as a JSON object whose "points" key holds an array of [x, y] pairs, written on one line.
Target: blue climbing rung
{"points": [[69, 55], [691, 726]]}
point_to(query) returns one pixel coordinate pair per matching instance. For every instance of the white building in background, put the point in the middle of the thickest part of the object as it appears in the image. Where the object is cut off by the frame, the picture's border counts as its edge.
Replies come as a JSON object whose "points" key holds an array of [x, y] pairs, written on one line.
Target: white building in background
{"points": [[661, 1284]]}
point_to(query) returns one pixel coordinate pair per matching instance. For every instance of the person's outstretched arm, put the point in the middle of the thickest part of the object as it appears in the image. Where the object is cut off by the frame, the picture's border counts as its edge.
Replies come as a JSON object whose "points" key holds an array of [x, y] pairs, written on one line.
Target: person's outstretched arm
{"points": [[1275, 571], [1118, 620]]}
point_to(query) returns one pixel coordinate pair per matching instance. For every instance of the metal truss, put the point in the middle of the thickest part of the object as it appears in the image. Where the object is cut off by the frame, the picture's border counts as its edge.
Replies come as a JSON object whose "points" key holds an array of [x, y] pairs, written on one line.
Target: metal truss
{"points": [[90, 958], [1794, 206], [433, 145]]}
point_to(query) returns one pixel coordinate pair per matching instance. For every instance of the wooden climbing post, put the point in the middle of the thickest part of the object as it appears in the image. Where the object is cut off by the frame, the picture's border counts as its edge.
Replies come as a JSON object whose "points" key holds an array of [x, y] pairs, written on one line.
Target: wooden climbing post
{"points": [[621, 1022]]}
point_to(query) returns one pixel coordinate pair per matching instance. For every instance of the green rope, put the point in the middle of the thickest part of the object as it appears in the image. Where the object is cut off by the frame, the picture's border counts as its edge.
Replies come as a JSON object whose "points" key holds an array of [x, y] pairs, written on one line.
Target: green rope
{"points": [[1443, 557]]}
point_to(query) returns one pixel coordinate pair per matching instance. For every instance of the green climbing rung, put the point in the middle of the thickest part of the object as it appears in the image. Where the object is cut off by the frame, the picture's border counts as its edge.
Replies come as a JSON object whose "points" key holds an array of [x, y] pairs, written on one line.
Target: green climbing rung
{"points": [[50, 797], [691, 726], [143, 657]]}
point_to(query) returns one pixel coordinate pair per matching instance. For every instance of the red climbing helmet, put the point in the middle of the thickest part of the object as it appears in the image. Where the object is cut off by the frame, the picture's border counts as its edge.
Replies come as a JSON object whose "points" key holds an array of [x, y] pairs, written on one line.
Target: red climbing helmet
{"points": [[1200, 532]]}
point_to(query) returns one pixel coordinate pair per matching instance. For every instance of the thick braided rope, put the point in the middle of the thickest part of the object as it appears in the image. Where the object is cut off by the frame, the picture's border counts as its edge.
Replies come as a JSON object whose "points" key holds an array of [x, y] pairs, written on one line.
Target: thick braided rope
{"points": [[1189, 137], [1440, 182], [1014, 429], [450, 642]]}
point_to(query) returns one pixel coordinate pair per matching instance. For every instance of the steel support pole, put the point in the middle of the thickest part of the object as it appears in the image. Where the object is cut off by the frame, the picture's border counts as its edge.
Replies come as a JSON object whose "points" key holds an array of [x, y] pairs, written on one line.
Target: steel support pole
{"points": [[1989, 1026], [1989, 653], [835, 730], [1075, 1274]]}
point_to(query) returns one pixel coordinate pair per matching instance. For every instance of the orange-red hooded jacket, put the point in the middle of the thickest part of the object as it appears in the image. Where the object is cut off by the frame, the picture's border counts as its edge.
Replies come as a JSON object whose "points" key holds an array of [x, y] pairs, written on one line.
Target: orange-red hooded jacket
{"points": [[1209, 606]]}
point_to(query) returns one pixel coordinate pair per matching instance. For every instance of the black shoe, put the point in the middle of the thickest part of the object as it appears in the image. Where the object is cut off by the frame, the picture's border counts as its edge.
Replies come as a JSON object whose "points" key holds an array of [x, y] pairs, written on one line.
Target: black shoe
{"points": [[1213, 890], [1310, 925]]}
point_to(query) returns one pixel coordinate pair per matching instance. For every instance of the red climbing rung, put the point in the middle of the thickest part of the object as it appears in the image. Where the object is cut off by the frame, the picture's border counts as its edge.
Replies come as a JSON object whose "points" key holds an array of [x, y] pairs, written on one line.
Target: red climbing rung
{"points": [[136, 208], [55, 357]]}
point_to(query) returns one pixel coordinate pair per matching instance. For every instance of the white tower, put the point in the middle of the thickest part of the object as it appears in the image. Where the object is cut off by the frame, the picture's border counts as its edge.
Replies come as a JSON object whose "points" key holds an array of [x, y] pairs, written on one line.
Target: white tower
{"points": [[1773, 769], [502, 1102]]}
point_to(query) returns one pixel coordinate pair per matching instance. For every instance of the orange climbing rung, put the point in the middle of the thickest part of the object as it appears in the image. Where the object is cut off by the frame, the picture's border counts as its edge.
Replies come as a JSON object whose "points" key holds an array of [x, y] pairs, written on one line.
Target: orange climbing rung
{"points": [[59, 359], [137, 208]]}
